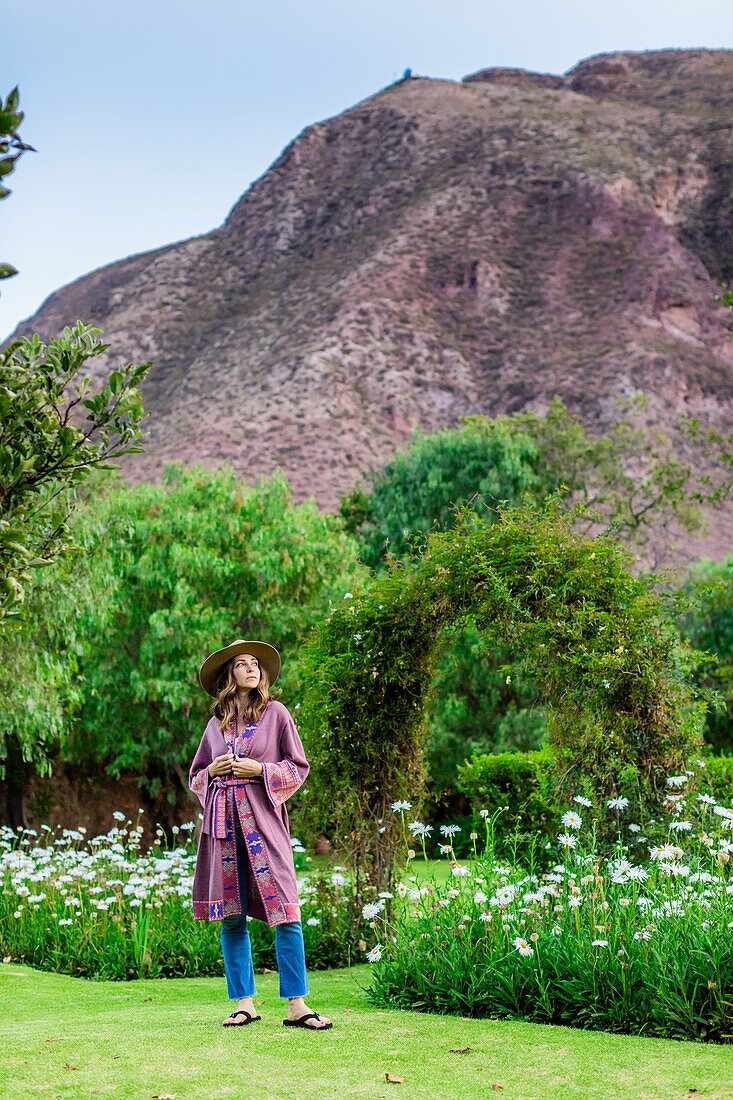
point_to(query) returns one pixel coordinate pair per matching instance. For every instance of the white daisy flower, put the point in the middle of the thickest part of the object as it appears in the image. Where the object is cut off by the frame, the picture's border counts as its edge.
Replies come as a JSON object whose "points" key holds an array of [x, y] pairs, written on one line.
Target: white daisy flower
{"points": [[371, 909]]}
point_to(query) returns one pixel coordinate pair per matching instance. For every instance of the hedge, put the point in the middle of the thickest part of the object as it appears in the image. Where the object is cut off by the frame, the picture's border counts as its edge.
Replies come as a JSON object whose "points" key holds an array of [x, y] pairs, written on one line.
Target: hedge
{"points": [[520, 789]]}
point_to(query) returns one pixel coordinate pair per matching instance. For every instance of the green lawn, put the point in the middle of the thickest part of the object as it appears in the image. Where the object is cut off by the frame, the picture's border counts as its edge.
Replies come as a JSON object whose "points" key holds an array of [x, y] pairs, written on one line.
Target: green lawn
{"points": [[66, 1037]]}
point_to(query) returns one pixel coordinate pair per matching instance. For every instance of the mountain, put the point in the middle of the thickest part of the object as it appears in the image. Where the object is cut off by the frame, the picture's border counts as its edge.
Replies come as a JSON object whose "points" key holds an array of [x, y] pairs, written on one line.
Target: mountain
{"points": [[443, 249]]}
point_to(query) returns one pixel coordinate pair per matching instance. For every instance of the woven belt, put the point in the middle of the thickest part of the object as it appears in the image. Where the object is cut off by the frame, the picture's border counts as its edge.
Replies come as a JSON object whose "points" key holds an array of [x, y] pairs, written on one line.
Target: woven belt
{"points": [[220, 800]]}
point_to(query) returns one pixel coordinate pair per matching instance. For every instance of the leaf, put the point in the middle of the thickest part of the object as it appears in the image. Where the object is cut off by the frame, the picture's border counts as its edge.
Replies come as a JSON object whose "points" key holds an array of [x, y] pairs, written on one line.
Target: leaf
{"points": [[7, 270], [496, 1088], [460, 1050], [394, 1080], [69, 1066]]}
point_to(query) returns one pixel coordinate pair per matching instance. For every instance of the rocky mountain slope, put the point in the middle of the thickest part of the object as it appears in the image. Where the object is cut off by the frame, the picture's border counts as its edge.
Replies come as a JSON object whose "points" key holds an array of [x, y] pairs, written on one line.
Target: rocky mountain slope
{"points": [[444, 249]]}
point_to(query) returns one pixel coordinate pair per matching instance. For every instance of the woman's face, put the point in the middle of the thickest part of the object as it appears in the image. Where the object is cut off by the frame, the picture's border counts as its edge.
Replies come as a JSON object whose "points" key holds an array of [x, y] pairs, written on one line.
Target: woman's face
{"points": [[246, 671]]}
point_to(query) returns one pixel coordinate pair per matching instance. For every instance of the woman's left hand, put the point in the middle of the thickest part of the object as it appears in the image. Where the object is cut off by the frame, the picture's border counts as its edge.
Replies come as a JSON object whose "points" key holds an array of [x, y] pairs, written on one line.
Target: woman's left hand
{"points": [[244, 768]]}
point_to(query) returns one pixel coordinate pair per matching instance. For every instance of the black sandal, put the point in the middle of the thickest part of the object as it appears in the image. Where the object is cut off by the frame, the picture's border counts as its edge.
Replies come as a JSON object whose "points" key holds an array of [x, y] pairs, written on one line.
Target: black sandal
{"points": [[241, 1023], [300, 1022]]}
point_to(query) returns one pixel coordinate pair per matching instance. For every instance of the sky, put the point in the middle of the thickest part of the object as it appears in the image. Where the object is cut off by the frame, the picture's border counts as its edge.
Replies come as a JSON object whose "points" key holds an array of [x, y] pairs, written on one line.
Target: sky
{"points": [[151, 117]]}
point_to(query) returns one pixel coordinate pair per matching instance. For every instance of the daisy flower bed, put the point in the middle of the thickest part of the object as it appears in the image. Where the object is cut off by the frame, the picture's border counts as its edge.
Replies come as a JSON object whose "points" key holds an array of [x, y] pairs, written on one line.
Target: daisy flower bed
{"points": [[639, 943], [100, 908]]}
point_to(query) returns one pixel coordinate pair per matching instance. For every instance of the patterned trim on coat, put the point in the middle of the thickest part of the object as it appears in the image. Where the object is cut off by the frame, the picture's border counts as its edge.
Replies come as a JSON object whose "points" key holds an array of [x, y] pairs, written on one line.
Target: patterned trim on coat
{"points": [[275, 911], [208, 910], [199, 784], [281, 780]]}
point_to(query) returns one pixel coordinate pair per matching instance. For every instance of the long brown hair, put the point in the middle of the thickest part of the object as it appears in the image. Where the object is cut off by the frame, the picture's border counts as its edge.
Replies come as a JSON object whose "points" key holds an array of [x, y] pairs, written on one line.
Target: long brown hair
{"points": [[225, 704]]}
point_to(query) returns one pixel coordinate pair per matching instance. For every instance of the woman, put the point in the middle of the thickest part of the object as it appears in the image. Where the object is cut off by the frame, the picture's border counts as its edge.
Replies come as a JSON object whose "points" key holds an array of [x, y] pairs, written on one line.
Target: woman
{"points": [[249, 762]]}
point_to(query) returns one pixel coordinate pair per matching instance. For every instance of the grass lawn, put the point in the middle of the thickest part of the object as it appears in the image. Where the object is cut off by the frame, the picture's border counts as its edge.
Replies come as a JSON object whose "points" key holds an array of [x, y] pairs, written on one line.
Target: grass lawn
{"points": [[66, 1037]]}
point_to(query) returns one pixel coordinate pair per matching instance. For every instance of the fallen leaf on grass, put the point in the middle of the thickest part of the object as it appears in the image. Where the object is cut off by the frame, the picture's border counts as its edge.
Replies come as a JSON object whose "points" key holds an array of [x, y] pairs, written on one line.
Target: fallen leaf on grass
{"points": [[495, 1088], [147, 1000], [394, 1080], [52, 1040], [69, 1066], [460, 1050]]}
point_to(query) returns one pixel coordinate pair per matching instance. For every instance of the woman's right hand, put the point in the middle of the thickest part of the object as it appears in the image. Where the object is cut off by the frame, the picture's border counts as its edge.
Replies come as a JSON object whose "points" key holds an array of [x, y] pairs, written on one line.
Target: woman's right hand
{"points": [[221, 765]]}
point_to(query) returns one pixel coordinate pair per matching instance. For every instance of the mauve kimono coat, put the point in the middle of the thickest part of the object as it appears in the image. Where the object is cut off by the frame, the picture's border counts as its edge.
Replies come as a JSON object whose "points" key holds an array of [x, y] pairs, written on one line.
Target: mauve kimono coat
{"points": [[272, 894]]}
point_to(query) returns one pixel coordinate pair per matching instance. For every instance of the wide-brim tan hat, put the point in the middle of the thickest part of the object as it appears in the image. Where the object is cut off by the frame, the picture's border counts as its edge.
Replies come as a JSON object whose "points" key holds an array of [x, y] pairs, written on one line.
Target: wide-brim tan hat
{"points": [[267, 655]]}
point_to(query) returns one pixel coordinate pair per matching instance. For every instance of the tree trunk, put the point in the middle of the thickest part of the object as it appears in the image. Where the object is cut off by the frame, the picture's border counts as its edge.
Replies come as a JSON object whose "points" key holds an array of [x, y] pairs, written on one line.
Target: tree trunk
{"points": [[16, 776]]}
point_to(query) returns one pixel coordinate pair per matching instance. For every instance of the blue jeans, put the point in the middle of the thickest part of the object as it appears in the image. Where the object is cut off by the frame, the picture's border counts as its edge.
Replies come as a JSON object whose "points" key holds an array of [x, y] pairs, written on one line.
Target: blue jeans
{"points": [[237, 950]]}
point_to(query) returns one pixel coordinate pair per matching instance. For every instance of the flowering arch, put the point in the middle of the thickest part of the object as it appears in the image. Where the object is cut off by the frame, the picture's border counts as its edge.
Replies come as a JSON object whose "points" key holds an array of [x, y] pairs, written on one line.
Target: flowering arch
{"points": [[593, 636]]}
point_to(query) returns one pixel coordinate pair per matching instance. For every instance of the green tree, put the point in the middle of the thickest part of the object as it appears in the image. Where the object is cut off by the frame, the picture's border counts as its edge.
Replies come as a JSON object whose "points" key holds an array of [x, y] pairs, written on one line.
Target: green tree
{"points": [[11, 149], [632, 481], [418, 491], [191, 564], [38, 665], [55, 429], [635, 483]]}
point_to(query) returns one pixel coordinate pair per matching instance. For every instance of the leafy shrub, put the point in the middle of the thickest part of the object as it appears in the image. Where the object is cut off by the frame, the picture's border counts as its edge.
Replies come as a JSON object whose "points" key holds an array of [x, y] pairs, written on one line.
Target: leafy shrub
{"points": [[596, 639], [517, 784]]}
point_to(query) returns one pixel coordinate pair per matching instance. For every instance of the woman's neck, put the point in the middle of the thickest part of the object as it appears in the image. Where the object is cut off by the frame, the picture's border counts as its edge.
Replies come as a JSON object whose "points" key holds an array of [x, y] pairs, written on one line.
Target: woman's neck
{"points": [[241, 700]]}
